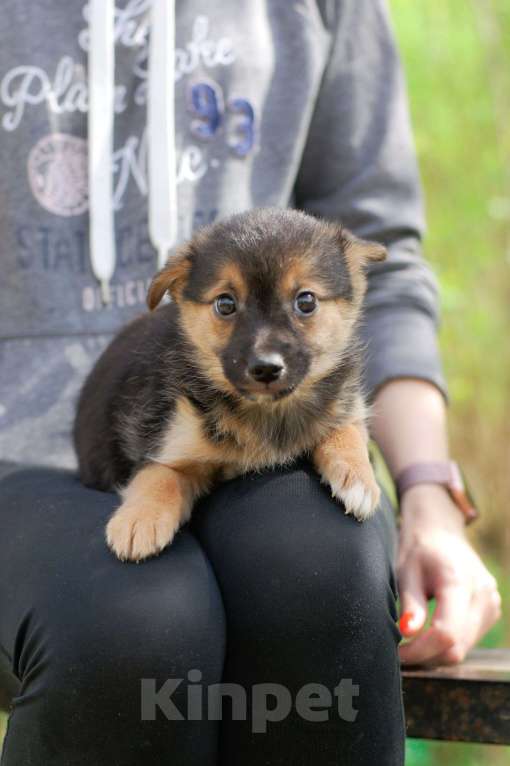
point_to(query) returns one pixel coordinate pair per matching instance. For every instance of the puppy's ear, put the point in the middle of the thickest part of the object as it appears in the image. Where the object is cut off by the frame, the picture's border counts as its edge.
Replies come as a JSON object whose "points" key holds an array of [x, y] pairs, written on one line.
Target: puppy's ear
{"points": [[170, 278], [360, 249]]}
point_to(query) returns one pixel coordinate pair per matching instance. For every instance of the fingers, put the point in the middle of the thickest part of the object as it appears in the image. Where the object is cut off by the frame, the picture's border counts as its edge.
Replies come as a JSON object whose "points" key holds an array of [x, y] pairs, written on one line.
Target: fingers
{"points": [[452, 613], [461, 618], [485, 611], [447, 628], [423, 649], [413, 602]]}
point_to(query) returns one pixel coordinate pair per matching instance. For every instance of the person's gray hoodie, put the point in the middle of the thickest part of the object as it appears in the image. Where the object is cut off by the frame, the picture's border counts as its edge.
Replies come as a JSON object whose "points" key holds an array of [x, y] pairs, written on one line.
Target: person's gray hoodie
{"points": [[295, 103]]}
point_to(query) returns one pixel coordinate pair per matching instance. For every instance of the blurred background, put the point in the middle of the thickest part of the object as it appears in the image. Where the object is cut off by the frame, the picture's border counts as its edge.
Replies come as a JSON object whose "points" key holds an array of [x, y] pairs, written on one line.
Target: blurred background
{"points": [[456, 55]]}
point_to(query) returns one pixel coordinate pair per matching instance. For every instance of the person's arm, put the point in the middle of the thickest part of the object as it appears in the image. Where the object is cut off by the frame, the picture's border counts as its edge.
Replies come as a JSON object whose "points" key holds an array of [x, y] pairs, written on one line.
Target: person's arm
{"points": [[435, 559], [359, 168]]}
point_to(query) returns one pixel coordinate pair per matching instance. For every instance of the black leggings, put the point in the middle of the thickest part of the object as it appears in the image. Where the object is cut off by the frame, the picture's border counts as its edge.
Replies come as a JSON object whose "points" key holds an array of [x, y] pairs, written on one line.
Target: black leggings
{"points": [[271, 584]]}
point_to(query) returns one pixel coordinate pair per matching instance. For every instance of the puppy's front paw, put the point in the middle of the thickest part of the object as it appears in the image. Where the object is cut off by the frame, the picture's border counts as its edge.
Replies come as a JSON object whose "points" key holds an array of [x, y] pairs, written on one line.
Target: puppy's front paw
{"points": [[134, 533], [356, 488]]}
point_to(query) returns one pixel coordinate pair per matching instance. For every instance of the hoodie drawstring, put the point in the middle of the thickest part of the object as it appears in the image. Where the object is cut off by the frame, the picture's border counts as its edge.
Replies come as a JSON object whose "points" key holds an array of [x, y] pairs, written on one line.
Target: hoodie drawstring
{"points": [[162, 191], [161, 130], [100, 150]]}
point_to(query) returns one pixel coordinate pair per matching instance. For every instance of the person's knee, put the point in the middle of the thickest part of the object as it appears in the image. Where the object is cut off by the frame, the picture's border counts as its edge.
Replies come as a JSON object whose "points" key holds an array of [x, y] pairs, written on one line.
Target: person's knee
{"points": [[288, 558], [333, 589], [150, 637], [138, 625]]}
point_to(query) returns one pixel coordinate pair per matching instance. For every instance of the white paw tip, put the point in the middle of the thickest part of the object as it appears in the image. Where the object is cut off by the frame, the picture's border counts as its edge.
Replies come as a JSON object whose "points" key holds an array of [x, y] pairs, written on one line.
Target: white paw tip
{"points": [[358, 500]]}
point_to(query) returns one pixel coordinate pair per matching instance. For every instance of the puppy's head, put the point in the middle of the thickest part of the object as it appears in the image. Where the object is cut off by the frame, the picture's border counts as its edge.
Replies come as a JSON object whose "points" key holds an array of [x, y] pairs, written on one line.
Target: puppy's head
{"points": [[268, 299]]}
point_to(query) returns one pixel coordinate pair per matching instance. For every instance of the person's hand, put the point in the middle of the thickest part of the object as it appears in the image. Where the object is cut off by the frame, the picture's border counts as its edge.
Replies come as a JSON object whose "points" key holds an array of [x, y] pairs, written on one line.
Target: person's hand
{"points": [[436, 561]]}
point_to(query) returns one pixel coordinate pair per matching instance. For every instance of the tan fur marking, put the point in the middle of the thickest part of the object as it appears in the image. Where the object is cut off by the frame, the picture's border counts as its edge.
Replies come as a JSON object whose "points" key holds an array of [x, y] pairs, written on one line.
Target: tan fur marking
{"points": [[328, 334], [297, 276], [159, 498], [330, 329], [184, 442], [367, 251], [342, 461], [358, 253], [209, 335], [229, 278], [171, 278], [251, 451], [156, 502]]}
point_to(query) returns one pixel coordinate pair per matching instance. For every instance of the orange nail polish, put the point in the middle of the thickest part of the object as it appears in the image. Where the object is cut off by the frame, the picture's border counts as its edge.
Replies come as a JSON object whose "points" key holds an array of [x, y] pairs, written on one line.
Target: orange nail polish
{"points": [[405, 623]]}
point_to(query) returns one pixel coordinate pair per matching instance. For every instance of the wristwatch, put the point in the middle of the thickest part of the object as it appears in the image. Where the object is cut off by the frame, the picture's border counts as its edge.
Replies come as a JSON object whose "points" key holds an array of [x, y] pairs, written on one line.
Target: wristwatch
{"points": [[448, 475]]}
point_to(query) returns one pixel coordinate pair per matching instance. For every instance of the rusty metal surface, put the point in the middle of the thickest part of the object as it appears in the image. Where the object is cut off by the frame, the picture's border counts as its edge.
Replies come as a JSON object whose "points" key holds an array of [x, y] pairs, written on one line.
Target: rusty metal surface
{"points": [[469, 702], [479, 665]]}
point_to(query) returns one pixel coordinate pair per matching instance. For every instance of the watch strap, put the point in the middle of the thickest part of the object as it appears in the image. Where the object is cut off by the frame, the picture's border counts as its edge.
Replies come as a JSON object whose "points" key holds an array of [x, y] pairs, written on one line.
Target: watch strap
{"points": [[445, 473]]}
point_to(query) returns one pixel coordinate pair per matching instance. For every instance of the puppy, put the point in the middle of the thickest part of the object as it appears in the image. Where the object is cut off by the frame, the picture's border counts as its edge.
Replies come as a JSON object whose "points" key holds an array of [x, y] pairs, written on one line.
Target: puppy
{"points": [[254, 362]]}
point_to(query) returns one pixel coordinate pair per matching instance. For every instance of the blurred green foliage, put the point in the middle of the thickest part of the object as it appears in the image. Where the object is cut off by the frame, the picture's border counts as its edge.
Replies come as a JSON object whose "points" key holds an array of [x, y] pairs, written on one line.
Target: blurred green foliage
{"points": [[456, 56]]}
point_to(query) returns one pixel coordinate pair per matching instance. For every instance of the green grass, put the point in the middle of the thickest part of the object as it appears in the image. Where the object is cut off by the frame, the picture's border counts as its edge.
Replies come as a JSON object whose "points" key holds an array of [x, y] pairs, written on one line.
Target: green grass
{"points": [[456, 55]]}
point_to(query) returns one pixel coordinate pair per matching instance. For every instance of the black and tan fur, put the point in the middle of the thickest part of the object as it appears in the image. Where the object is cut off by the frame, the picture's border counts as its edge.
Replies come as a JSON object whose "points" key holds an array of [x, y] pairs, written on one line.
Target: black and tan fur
{"points": [[172, 405]]}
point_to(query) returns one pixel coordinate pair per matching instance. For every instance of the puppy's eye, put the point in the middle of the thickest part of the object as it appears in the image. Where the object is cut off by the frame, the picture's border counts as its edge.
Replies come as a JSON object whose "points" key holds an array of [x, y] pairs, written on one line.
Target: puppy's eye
{"points": [[225, 305], [305, 303]]}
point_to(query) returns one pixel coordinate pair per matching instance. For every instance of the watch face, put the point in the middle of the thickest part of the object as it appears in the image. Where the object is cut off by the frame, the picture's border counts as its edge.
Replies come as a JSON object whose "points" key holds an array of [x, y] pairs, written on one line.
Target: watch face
{"points": [[461, 494]]}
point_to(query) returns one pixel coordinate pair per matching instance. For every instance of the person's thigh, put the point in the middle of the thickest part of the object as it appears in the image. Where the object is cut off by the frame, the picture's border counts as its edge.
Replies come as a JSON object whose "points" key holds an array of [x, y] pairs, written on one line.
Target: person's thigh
{"points": [[310, 599], [81, 630]]}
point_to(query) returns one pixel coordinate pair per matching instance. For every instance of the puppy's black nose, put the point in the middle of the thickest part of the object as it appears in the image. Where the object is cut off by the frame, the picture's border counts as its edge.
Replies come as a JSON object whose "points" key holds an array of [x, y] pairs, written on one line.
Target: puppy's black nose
{"points": [[266, 369]]}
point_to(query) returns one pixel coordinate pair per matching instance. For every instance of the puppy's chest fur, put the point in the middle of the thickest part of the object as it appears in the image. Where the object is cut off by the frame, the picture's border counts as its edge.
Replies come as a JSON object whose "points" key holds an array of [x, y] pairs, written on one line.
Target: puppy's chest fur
{"points": [[250, 437]]}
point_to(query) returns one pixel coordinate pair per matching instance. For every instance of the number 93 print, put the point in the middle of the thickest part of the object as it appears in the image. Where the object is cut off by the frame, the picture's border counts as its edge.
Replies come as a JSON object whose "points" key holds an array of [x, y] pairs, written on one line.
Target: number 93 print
{"points": [[207, 105]]}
